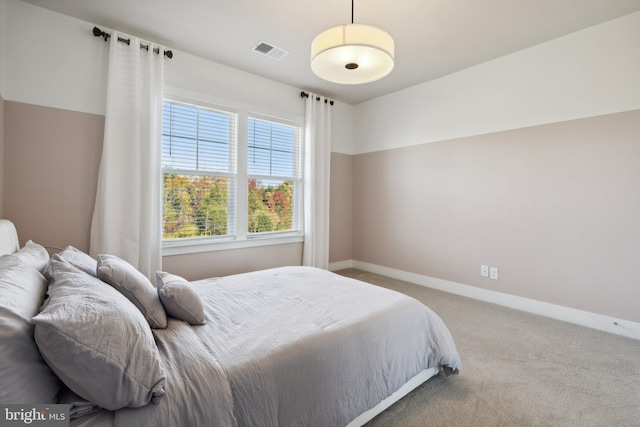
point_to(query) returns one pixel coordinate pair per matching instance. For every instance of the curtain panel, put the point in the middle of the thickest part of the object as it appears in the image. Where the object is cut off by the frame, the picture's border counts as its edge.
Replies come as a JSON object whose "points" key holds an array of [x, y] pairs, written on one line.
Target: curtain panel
{"points": [[316, 181], [127, 218]]}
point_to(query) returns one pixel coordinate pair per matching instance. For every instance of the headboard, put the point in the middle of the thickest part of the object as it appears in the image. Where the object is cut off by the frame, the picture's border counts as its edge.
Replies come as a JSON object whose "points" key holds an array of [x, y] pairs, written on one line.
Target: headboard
{"points": [[8, 238]]}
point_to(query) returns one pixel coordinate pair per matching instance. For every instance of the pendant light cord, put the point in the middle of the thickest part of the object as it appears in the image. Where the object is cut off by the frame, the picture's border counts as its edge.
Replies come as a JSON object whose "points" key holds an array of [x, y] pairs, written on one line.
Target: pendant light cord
{"points": [[352, 11]]}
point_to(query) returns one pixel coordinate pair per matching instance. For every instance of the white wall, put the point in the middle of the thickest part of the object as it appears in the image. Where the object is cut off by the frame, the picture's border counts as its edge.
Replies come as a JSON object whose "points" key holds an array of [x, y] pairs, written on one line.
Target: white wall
{"points": [[67, 69], [588, 73], [53, 60], [342, 122], [224, 83], [195, 74], [3, 36]]}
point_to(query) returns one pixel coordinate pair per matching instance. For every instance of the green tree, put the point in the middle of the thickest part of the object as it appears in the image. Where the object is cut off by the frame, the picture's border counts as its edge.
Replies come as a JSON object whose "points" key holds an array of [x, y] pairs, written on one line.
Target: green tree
{"points": [[195, 206]]}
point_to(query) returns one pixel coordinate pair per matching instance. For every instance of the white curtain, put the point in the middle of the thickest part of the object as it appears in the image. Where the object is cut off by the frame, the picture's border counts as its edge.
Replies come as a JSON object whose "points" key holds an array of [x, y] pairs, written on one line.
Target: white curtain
{"points": [[316, 194], [127, 218]]}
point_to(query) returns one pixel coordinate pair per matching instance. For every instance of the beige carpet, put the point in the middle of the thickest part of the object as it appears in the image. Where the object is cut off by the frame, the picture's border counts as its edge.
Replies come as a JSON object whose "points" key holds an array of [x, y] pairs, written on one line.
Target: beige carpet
{"points": [[519, 369]]}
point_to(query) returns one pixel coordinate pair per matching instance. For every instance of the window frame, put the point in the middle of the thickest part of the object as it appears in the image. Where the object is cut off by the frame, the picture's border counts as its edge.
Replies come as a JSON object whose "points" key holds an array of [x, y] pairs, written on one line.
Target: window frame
{"points": [[242, 238]]}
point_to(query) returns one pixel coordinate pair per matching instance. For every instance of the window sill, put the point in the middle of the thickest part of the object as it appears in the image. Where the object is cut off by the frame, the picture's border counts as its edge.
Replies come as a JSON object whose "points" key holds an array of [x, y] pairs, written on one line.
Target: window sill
{"points": [[210, 245]]}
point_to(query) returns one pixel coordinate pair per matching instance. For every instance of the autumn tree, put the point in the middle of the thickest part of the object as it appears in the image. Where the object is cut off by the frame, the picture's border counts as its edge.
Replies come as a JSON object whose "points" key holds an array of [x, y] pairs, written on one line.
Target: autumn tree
{"points": [[197, 206]]}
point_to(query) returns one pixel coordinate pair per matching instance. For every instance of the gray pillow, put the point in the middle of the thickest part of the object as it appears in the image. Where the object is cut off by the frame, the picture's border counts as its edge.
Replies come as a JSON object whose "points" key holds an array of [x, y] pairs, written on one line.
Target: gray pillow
{"points": [[26, 378], [97, 342], [77, 258], [31, 255], [133, 285], [179, 298]]}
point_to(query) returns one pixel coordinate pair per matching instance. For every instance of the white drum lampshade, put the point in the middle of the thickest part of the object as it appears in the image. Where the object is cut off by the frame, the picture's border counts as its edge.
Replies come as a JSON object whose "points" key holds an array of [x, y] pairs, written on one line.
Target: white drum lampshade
{"points": [[352, 54]]}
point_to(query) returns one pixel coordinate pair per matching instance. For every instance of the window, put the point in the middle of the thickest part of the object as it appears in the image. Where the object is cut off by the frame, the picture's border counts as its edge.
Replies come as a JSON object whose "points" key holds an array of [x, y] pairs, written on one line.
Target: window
{"points": [[229, 176], [198, 163], [273, 168]]}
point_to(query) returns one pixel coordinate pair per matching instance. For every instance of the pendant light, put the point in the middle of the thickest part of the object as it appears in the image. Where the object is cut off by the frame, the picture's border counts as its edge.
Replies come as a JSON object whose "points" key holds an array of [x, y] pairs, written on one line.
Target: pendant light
{"points": [[352, 53]]}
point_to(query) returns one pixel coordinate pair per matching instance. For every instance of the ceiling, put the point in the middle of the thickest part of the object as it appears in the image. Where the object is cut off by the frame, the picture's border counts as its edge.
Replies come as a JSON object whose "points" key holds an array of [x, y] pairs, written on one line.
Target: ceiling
{"points": [[432, 38]]}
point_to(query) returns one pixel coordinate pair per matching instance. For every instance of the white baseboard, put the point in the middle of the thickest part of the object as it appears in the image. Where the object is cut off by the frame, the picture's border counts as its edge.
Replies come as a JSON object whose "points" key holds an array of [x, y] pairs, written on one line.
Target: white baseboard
{"points": [[591, 320], [340, 265]]}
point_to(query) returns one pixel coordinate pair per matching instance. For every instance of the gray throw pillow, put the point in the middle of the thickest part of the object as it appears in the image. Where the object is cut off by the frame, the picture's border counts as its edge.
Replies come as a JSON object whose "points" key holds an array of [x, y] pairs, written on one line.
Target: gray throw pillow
{"points": [[179, 298], [80, 260], [98, 342], [26, 378], [77, 258], [135, 286]]}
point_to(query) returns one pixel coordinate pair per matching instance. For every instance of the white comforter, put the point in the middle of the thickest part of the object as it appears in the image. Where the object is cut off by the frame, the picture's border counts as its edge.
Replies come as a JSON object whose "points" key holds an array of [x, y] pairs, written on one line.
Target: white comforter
{"points": [[293, 346]]}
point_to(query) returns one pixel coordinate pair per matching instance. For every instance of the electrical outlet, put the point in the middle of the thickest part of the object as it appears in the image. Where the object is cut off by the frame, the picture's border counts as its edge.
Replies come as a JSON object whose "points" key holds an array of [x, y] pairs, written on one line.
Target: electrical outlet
{"points": [[484, 270], [493, 273]]}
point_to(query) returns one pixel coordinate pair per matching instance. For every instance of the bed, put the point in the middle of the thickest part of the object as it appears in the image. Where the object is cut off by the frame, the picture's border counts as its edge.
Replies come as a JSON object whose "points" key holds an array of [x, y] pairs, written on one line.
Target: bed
{"points": [[292, 346]]}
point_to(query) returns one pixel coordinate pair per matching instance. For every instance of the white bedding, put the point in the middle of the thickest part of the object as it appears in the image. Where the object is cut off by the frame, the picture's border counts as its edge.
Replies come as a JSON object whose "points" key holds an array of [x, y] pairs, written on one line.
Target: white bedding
{"points": [[293, 346]]}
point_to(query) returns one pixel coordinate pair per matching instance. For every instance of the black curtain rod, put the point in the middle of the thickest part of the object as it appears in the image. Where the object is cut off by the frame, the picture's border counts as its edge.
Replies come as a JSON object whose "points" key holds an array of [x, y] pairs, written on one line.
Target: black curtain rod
{"points": [[99, 33], [304, 94]]}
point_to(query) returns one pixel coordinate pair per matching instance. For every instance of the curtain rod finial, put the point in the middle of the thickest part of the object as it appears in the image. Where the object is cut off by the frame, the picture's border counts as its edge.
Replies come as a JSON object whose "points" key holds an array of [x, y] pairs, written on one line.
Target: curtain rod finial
{"points": [[99, 33]]}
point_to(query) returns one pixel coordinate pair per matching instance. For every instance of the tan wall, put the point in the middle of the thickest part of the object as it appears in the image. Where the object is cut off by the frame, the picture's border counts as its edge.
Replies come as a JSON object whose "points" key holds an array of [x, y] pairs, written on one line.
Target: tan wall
{"points": [[1, 157], [52, 160], [341, 209], [223, 263], [555, 207], [51, 169]]}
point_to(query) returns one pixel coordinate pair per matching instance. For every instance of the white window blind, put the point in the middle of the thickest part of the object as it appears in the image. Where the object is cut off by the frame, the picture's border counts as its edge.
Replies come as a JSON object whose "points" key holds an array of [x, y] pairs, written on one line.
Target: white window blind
{"points": [[274, 171], [198, 161]]}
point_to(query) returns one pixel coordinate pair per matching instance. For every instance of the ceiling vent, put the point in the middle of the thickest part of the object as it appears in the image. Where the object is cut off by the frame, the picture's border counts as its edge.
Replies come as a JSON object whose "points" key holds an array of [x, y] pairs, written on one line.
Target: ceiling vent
{"points": [[270, 50]]}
